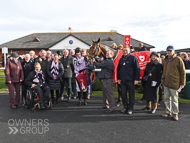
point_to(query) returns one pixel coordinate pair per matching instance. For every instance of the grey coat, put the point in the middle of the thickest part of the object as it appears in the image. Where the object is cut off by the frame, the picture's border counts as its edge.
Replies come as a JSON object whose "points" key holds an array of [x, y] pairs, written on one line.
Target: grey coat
{"points": [[107, 67], [68, 66]]}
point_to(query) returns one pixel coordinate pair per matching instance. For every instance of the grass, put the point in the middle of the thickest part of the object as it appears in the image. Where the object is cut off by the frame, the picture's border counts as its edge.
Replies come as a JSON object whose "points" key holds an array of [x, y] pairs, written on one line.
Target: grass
{"points": [[2, 72], [3, 86]]}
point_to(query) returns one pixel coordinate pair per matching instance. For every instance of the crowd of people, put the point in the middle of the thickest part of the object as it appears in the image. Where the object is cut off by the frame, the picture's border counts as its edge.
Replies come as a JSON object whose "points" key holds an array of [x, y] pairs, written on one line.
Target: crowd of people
{"points": [[49, 72]]}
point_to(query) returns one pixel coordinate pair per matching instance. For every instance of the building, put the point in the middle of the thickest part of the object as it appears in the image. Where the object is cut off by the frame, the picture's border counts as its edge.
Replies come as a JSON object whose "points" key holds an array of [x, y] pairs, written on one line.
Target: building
{"points": [[59, 41]]}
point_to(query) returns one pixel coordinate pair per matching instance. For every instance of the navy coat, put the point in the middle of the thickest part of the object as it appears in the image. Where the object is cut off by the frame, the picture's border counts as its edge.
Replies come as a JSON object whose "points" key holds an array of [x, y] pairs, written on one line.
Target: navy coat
{"points": [[130, 71]]}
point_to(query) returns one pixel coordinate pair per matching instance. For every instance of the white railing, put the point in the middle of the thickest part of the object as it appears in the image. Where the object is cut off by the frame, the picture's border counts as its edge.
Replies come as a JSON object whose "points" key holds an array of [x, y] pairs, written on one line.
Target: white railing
{"points": [[187, 71]]}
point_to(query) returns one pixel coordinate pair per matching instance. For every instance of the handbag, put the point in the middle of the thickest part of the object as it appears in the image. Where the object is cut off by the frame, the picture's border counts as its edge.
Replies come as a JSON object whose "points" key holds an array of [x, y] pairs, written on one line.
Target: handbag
{"points": [[146, 77]]}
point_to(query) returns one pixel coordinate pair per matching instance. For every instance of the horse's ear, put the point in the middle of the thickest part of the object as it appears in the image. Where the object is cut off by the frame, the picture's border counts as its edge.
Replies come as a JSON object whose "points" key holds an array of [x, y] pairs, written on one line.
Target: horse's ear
{"points": [[98, 40], [92, 40]]}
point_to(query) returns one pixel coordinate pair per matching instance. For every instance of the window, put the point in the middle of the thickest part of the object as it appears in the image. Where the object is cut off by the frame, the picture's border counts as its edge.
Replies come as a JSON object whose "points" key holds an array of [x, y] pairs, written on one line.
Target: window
{"points": [[109, 39], [36, 40], [17, 51]]}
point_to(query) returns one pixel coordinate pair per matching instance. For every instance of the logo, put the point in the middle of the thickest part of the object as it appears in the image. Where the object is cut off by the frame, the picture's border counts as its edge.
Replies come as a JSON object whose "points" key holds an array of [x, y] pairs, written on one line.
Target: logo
{"points": [[14, 130], [31, 126], [70, 41], [142, 58], [83, 87]]}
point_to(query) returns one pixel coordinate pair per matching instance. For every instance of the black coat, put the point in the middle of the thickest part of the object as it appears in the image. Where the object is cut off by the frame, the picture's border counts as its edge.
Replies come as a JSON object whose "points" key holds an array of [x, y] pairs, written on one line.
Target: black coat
{"points": [[151, 92], [68, 66], [27, 67], [54, 84], [31, 76]]}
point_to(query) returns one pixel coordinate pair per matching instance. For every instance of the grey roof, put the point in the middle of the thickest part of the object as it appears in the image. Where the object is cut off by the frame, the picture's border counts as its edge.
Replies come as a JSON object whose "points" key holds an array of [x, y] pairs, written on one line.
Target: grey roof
{"points": [[47, 40]]}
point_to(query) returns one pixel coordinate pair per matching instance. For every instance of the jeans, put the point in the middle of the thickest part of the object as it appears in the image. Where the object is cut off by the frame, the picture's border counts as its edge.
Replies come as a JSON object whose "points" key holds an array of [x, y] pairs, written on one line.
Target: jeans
{"points": [[128, 87]]}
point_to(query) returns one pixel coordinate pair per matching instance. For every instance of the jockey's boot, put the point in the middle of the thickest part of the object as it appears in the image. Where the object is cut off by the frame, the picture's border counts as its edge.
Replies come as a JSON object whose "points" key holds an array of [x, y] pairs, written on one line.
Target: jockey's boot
{"points": [[85, 97], [80, 96]]}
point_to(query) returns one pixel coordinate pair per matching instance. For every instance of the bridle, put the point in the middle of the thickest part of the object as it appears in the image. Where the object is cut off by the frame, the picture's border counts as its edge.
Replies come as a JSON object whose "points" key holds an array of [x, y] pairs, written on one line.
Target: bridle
{"points": [[97, 49]]}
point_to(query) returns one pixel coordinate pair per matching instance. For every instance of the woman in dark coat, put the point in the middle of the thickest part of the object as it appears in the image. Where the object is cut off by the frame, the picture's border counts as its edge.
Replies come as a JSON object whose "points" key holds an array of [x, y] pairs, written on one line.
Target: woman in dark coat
{"points": [[151, 84], [14, 77], [55, 71]]}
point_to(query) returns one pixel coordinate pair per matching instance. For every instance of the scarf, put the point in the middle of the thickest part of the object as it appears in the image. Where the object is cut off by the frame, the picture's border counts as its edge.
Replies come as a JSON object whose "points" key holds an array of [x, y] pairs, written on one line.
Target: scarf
{"points": [[54, 68], [39, 77]]}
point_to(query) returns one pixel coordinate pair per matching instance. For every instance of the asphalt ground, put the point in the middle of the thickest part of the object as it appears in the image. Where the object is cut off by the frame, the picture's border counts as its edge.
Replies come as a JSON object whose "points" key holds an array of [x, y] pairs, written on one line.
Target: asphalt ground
{"points": [[69, 123]]}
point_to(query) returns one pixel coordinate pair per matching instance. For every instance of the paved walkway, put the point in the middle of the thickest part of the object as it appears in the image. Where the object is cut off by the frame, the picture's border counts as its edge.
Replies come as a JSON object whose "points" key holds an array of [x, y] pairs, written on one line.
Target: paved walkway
{"points": [[70, 123]]}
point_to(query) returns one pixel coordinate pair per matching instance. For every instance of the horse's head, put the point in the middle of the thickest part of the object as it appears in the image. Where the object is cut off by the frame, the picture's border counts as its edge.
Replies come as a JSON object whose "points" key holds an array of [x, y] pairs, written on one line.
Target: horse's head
{"points": [[93, 49]]}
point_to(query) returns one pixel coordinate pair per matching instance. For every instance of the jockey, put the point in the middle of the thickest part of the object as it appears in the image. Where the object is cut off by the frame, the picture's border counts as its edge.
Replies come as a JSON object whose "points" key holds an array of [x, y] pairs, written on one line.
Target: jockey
{"points": [[79, 64]]}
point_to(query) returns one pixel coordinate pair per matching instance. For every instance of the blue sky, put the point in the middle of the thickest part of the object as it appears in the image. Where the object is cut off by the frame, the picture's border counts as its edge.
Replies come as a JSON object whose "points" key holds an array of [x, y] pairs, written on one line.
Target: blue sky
{"points": [[156, 22]]}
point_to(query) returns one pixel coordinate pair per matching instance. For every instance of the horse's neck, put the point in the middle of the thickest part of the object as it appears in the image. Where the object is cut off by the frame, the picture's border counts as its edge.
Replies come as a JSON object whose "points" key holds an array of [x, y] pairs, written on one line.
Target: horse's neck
{"points": [[103, 51], [106, 48]]}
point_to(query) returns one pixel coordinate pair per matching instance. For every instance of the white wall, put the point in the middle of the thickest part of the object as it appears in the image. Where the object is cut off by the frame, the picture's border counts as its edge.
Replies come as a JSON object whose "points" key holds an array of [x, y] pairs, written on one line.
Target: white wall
{"points": [[64, 44]]}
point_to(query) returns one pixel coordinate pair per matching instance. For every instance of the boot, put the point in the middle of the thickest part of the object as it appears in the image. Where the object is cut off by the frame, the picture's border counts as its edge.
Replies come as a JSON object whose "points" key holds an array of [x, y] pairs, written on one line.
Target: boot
{"points": [[80, 96], [46, 104], [52, 98], [85, 94], [85, 103], [57, 97]]}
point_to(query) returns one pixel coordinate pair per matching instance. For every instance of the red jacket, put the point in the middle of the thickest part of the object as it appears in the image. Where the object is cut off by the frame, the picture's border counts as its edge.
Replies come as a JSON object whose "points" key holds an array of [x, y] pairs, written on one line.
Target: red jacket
{"points": [[13, 71]]}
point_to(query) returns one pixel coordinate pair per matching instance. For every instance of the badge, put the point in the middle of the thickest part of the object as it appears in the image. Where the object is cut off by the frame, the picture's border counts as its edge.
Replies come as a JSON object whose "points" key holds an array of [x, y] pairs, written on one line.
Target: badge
{"points": [[123, 63], [150, 74]]}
